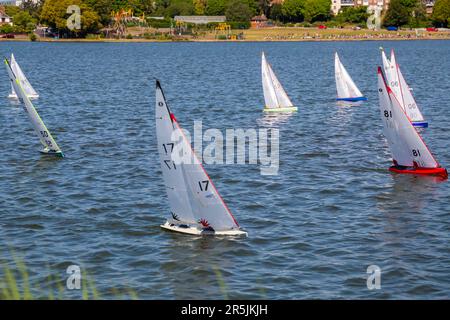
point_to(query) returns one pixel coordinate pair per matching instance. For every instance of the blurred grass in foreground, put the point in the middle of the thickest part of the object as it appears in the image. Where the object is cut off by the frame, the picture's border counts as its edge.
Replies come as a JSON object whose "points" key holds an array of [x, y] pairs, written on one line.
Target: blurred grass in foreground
{"points": [[15, 285]]}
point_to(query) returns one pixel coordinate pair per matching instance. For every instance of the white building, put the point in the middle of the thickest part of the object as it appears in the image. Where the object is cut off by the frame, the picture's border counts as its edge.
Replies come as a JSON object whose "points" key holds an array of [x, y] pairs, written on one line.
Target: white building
{"points": [[14, 2], [338, 5], [5, 19]]}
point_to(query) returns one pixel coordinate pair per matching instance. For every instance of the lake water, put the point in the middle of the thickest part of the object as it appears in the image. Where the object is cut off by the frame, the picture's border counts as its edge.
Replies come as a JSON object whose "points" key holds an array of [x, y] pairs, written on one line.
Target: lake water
{"points": [[332, 210]]}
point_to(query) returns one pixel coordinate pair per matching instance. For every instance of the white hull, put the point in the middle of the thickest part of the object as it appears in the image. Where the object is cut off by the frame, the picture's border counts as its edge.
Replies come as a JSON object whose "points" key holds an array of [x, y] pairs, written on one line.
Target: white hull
{"points": [[14, 97], [196, 231]]}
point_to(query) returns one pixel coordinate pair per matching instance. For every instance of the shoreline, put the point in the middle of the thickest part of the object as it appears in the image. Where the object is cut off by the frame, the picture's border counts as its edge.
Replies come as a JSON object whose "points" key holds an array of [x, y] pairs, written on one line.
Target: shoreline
{"points": [[275, 34]]}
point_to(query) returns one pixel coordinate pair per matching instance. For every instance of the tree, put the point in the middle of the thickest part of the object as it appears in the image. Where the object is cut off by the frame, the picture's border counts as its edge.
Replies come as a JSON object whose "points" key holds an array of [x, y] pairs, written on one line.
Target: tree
{"points": [[215, 8], [293, 10], [34, 8], [441, 13], [238, 10], [180, 8], [24, 21], [353, 15], [54, 13], [397, 14], [275, 12], [317, 10]]}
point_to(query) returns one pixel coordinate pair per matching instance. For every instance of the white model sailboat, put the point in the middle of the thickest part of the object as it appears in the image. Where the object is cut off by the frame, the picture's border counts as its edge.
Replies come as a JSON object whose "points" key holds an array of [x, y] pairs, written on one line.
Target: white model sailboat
{"points": [[45, 137], [195, 204], [409, 152], [275, 97], [346, 88], [401, 90], [27, 87]]}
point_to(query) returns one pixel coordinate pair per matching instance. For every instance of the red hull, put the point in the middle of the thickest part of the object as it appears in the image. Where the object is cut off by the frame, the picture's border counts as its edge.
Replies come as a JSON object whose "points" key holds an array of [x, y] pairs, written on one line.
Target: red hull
{"points": [[437, 172]]}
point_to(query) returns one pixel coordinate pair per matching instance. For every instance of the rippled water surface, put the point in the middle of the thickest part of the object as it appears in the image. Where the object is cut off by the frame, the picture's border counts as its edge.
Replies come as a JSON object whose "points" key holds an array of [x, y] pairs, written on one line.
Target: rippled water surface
{"points": [[314, 228]]}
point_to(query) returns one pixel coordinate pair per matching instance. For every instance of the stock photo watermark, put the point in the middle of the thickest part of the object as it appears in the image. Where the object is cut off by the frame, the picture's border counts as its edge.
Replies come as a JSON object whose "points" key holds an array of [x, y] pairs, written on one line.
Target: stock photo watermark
{"points": [[236, 146], [73, 282], [374, 277], [74, 21]]}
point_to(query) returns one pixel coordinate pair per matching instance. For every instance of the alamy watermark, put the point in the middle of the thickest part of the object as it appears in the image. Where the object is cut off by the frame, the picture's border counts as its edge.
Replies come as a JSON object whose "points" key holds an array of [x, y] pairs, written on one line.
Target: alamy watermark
{"points": [[73, 282], [374, 20], [374, 278], [237, 146], [74, 21]]}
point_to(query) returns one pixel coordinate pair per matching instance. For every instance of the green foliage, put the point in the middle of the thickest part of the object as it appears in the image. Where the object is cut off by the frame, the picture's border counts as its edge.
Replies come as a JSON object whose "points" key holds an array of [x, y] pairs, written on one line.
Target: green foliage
{"points": [[54, 13], [293, 10], [12, 10], [6, 28], [352, 15], [405, 12], [237, 10], [32, 37], [215, 8], [275, 12], [24, 21], [180, 8], [317, 10], [441, 13], [155, 23]]}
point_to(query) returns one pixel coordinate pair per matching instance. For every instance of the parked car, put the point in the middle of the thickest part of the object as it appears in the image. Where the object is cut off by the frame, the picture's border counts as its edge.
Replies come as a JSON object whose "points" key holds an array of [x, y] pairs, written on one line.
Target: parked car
{"points": [[8, 36], [392, 28], [322, 26], [432, 29]]}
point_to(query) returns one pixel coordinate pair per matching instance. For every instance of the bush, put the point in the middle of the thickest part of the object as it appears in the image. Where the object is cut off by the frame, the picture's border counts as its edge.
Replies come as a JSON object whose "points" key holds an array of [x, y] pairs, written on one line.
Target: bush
{"points": [[32, 37], [239, 24], [154, 23], [129, 36]]}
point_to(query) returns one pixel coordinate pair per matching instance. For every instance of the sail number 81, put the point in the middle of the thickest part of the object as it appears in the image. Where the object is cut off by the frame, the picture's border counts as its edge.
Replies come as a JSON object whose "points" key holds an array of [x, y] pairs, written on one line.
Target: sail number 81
{"points": [[388, 114]]}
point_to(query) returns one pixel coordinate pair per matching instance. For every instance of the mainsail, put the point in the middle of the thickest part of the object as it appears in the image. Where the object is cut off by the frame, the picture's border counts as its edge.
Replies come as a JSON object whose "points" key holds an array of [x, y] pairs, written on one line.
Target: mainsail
{"points": [[401, 90], [346, 88], [45, 137], [27, 87], [276, 99], [195, 204]]}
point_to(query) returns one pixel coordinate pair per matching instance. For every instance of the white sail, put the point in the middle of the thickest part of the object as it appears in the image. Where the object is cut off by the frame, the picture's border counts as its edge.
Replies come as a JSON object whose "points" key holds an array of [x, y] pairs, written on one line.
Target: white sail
{"points": [[274, 94], [345, 86], [410, 106], [193, 198], [401, 90], [406, 145], [45, 137], [27, 87], [386, 63]]}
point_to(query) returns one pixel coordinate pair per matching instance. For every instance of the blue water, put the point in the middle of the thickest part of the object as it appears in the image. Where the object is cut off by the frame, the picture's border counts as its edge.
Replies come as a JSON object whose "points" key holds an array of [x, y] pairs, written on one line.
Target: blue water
{"points": [[333, 209]]}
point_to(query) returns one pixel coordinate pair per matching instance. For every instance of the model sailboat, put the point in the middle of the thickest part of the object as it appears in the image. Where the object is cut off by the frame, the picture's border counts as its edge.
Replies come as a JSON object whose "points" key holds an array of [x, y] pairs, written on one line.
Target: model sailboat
{"points": [[346, 88], [29, 90], [275, 97], [45, 137], [409, 152], [195, 204], [401, 90]]}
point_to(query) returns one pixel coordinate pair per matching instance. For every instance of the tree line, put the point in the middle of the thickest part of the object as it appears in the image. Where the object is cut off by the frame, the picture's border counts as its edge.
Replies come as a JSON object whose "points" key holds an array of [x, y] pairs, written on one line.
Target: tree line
{"points": [[96, 14]]}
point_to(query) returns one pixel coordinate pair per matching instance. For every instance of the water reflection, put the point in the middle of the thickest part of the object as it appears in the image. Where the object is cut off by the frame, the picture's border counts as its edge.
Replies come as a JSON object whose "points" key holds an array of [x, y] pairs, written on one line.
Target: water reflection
{"points": [[198, 267], [274, 119]]}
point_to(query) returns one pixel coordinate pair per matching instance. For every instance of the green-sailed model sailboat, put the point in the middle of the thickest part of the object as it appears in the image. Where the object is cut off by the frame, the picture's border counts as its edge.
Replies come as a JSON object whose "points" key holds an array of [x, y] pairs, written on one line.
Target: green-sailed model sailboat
{"points": [[45, 137]]}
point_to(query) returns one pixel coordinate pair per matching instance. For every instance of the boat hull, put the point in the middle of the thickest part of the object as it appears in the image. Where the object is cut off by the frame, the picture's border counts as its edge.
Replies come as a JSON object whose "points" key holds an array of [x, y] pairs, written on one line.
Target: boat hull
{"points": [[352, 99], [58, 154], [420, 124], [196, 231], [436, 172], [14, 97], [288, 109]]}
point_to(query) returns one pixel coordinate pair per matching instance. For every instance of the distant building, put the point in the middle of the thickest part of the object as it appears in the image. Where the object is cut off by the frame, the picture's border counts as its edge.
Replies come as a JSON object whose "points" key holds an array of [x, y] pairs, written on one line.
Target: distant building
{"points": [[200, 19], [5, 19], [338, 5], [429, 5], [259, 21], [14, 2]]}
